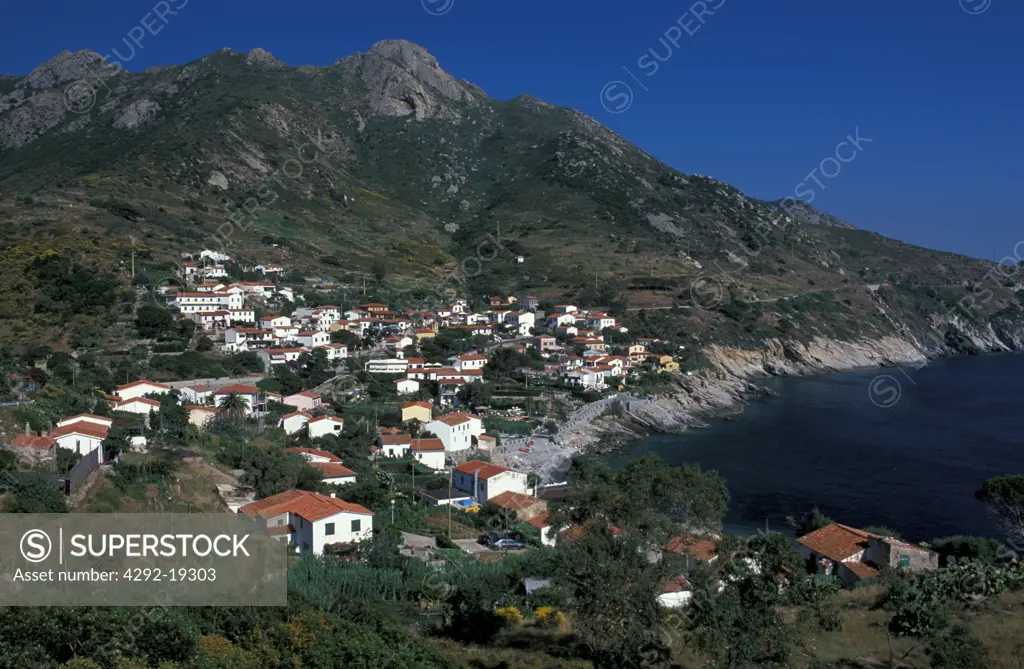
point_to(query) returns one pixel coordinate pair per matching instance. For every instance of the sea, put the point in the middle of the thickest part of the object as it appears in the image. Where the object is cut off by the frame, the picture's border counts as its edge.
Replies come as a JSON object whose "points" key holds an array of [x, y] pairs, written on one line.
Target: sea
{"points": [[905, 448]]}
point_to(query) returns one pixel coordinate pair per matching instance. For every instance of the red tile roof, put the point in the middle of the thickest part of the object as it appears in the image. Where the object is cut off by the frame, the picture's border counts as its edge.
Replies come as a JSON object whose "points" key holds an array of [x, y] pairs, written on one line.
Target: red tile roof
{"points": [[701, 548], [83, 428], [309, 505], [141, 382], [395, 439], [333, 469], [514, 501], [21, 441], [83, 416], [293, 414], [143, 400], [425, 445], [861, 570], [425, 405], [487, 470], [314, 452], [836, 542], [456, 418], [540, 521], [333, 419]]}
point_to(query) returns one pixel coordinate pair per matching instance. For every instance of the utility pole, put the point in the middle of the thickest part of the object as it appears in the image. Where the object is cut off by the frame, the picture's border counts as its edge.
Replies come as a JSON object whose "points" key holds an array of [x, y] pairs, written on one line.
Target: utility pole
{"points": [[451, 473]]}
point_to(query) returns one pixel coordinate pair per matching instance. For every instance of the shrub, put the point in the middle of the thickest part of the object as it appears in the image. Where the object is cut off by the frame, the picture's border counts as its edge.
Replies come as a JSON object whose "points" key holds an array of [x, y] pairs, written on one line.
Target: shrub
{"points": [[509, 614], [549, 616]]}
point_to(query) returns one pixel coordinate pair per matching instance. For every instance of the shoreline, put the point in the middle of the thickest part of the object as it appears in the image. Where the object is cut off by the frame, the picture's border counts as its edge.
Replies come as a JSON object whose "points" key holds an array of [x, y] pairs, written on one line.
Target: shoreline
{"points": [[722, 391]]}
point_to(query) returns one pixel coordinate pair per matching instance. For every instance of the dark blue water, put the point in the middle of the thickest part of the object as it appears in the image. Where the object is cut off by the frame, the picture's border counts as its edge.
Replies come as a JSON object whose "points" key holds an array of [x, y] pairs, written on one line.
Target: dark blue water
{"points": [[911, 464]]}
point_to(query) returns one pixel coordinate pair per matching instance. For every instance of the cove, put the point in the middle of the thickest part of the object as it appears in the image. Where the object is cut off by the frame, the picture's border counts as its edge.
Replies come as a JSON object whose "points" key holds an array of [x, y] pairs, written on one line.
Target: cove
{"points": [[912, 465]]}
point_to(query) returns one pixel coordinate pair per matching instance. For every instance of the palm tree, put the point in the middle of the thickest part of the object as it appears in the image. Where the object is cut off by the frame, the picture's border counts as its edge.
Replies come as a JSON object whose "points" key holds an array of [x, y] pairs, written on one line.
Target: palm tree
{"points": [[235, 406]]}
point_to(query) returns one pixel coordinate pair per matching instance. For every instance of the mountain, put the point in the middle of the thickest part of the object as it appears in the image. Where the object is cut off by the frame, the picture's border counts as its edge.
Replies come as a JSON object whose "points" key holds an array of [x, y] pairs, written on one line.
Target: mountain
{"points": [[397, 179], [805, 213]]}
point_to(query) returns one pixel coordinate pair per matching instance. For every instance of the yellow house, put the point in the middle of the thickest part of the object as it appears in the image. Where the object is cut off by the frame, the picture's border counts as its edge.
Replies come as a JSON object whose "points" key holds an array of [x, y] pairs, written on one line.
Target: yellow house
{"points": [[667, 363], [423, 334], [418, 410]]}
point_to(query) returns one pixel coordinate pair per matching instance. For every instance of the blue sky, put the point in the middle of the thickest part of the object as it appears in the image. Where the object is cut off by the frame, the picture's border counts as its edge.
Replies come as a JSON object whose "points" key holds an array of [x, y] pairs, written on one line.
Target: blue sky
{"points": [[757, 94]]}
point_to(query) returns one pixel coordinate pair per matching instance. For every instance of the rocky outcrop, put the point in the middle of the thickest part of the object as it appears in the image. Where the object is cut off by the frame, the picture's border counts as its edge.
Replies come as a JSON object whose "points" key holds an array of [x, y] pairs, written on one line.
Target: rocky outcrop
{"points": [[67, 67], [136, 114], [403, 79], [793, 358]]}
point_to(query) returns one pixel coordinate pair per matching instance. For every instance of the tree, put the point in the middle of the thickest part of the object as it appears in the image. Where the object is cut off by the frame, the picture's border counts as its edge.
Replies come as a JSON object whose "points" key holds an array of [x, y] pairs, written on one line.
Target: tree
{"points": [[151, 320], [204, 344], [347, 337], [955, 648], [808, 522], [32, 492], [234, 406], [1004, 497], [117, 440]]}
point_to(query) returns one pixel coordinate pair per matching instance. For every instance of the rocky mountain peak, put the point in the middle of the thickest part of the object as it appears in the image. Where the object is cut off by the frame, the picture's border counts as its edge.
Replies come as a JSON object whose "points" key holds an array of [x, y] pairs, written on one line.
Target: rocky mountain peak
{"points": [[263, 60], [406, 80], [66, 67]]}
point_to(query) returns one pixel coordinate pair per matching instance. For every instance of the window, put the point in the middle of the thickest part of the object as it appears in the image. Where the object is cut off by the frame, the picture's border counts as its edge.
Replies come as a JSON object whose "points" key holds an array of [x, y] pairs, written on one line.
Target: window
{"points": [[356, 524], [329, 529], [280, 521], [904, 561]]}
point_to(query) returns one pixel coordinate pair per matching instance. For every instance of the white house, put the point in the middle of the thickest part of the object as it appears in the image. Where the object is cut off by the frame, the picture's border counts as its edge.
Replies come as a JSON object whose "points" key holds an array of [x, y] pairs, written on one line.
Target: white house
{"points": [[242, 315], [387, 366], [458, 431], [139, 405], [335, 473], [201, 414], [215, 256], [430, 452], [522, 320], [86, 418], [294, 422], [311, 521], [196, 394], [335, 351], [407, 386], [280, 356], [468, 361], [395, 445], [81, 434], [322, 426], [483, 480], [313, 338], [306, 400], [140, 388], [249, 394]]}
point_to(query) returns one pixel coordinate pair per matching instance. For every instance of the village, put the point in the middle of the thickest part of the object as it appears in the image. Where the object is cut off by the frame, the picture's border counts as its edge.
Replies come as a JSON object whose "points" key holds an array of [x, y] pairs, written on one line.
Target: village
{"points": [[476, 399]]}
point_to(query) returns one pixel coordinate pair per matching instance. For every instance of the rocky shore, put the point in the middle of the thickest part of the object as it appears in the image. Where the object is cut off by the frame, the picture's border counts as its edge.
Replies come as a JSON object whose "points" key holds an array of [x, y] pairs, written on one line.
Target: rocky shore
{"points": [[725, 388]]}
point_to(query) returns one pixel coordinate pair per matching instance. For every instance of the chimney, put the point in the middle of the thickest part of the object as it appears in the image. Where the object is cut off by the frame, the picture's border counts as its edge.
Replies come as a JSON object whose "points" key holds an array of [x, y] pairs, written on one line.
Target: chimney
{"points": [[28, 430], [334, 494]]}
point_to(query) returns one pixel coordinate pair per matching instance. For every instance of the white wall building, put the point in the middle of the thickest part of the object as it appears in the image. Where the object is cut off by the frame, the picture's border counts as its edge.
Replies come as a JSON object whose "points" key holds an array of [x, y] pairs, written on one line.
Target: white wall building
{"points": [[311, 521], [456, 430], [483, 480]]}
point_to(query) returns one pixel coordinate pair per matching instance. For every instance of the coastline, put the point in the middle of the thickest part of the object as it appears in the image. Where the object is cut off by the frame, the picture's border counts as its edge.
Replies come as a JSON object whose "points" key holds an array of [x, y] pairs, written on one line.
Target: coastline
{"points": [[724, 389]]}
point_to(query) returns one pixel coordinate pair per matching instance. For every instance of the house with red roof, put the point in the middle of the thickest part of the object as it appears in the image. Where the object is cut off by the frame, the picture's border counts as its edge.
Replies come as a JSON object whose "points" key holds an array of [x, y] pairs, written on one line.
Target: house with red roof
{"points": [[856, 556], [321, 426], [249, 394], [429, 451], [294, 422], [140, 388], [458, 431], [334, 473], [82, 434], [524, 507], [304, 401], [310, 521], [483, 480], [314, 455]]}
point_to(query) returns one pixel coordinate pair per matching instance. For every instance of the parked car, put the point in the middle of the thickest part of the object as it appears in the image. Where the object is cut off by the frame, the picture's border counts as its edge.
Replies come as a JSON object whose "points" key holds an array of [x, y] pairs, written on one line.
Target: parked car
{"points": [[508, 545], [489, 538]]}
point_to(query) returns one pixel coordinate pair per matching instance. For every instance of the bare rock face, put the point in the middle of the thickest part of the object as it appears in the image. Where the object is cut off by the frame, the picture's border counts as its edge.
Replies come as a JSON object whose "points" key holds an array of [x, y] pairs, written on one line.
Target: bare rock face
{"points": [[67, 67], [218, 180], [136, 114], [405, 80], [261, 59], [32, 118]]}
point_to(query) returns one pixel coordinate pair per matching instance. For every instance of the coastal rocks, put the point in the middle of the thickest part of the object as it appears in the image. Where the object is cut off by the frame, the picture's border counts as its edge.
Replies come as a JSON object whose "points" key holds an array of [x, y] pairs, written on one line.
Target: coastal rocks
{"points": [[820, 355]]}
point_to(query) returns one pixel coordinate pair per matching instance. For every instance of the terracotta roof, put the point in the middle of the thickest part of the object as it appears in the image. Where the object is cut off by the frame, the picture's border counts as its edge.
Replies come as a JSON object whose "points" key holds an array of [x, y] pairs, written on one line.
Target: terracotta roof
{"points": [[309, 505], [201, 407], [836, 542], [861, 570], [315, 452], [487, 470], [21, 441], [295, 413], [425, 405], [333, 469], [238, 389], [423, 445], [457, 418], [83, 416], [141, 382], [677, 584], [471, 356], [333, 419], [698, 547], [143, 400], [486, 437], [307, 393], [514, 501], [395, 439], [83, 428], [278, 530], [540, 522]]}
